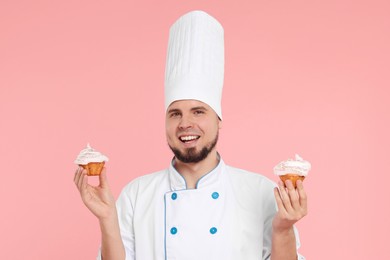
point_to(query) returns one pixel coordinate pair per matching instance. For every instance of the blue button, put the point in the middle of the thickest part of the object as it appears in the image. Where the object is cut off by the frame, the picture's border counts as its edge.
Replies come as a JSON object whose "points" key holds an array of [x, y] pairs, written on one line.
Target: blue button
{"points": [[174, 196], [215, 195], [213, 230], [173, 231]]}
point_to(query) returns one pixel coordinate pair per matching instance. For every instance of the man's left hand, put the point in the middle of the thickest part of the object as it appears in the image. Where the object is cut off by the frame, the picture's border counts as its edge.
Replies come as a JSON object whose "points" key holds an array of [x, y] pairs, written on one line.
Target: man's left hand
{"points": [[292, 204]]}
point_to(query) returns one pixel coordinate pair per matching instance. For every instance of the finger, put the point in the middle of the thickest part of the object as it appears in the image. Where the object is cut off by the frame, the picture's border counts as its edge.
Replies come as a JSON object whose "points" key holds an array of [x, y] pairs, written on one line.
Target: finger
{"points": [[103, 181], [293, 195], [83, 178], [284, 196], [77, 175], [279, 201], [302, 196], [83, 183]]}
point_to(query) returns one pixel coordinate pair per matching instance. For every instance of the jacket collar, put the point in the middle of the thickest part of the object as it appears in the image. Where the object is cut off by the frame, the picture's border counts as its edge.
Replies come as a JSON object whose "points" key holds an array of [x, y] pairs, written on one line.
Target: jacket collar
{"points": [[177, 181]]}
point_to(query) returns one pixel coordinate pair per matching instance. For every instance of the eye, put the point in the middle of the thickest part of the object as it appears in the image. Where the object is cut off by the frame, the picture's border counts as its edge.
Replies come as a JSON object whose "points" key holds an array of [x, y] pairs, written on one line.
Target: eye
{"points": [[198, 112], [174, 114]]}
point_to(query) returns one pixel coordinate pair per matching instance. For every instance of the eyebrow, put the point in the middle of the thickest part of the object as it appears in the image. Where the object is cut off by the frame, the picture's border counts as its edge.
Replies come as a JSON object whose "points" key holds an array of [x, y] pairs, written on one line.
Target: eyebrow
{"points": [[198, 108], [172, 110]]}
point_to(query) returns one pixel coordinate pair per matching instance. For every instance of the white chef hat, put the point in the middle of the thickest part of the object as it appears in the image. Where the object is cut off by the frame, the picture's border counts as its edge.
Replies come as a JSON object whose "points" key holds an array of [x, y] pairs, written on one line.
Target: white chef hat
{"points": [[195, 60]]}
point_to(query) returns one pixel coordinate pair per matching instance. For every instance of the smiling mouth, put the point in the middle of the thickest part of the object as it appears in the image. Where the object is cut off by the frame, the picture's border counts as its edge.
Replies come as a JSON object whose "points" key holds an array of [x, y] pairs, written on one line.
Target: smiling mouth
{"points": [[189, 138]]}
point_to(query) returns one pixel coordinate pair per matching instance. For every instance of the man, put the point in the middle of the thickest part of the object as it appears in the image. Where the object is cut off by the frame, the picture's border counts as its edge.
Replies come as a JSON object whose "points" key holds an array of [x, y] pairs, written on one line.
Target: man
{"points": [[198, 208]]}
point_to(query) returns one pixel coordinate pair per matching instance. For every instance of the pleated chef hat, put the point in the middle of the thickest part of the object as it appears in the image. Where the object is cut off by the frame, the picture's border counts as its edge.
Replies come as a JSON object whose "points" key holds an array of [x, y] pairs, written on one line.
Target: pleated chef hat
{"points": [[195, 60]]}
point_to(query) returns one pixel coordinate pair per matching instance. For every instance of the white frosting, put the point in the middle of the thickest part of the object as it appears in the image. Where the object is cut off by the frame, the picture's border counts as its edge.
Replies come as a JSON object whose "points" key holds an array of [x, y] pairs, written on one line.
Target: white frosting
{"points": [[291, 166], [88, 155]]}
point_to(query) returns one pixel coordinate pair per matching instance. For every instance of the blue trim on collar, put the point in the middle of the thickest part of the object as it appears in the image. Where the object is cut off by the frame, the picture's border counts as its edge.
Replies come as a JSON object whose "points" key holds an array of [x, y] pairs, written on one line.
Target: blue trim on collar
{"points": [[179, 183], [209, 173]]}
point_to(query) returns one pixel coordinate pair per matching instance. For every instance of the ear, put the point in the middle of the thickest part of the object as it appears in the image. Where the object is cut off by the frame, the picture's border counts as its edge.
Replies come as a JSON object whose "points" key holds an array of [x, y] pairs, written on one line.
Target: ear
{"points": [[219, 123]]}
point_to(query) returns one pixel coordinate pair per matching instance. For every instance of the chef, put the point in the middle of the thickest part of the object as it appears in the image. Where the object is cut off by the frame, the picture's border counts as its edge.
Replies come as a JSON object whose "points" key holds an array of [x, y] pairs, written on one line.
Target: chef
{"points": [[199, 207]]}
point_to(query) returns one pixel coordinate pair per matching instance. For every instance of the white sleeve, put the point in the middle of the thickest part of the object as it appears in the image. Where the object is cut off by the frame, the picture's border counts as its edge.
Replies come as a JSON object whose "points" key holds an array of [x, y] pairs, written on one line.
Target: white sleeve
{"points": [[125, 211], [269, 211]]}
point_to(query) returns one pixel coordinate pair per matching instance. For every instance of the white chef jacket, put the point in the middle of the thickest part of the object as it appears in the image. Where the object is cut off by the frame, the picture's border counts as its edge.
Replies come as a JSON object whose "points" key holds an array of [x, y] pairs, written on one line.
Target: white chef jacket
{"points": [[227, 217]]}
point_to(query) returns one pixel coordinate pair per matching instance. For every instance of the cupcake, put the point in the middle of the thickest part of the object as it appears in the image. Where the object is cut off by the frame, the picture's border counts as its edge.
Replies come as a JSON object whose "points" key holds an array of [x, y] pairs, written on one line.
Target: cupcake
{"points": [[91, 160], [293, 169]]}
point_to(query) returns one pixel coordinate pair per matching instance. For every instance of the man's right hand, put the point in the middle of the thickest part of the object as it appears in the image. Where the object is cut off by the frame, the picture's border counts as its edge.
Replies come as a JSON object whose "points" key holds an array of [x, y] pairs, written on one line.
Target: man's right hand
{"points": [[98, 199]]}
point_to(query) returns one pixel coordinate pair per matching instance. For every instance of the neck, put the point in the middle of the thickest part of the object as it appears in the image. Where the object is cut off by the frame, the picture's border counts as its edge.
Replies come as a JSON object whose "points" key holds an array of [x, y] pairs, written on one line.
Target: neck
{"points": [[192, 172]]}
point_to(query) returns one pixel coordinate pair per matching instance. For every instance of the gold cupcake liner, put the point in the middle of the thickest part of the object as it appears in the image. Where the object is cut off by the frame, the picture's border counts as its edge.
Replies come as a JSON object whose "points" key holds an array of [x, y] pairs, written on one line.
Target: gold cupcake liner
{"points": [[93, 168], [292, 177]]}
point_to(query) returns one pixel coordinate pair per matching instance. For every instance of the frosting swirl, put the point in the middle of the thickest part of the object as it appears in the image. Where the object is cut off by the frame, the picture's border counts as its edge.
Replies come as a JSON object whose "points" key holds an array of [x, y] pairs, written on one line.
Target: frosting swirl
{"points": [[291, 166], [89, 155]]}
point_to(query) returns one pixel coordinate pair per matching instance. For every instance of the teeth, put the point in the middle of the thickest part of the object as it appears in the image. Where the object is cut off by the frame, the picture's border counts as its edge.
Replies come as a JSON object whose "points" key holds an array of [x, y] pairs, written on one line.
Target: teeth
{"points": [[188, 138]]}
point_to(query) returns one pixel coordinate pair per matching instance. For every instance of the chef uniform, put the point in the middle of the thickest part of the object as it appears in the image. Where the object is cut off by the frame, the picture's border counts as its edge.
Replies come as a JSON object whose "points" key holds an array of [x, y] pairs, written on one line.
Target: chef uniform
{"points": [[228, 216]]}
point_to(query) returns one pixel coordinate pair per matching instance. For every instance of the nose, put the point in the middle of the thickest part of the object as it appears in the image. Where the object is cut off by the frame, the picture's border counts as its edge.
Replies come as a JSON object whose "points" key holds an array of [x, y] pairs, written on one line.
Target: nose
{"points": [[185, 123]]}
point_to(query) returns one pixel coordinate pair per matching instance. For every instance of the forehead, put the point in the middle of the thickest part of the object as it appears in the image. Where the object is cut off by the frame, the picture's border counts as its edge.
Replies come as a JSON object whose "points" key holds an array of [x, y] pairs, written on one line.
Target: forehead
{"points": [[187, 104]]}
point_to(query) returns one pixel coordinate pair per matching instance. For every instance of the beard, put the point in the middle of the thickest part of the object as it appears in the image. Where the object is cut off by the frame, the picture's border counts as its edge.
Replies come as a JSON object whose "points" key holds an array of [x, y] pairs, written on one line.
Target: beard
{"points": [[191, 155]]}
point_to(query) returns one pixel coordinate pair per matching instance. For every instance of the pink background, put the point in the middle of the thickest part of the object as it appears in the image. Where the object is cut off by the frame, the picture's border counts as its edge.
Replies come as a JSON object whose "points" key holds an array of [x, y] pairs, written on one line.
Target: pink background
{"points": [[307, 77]]}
